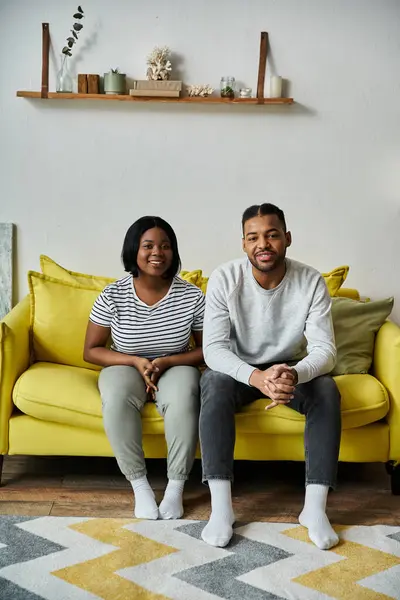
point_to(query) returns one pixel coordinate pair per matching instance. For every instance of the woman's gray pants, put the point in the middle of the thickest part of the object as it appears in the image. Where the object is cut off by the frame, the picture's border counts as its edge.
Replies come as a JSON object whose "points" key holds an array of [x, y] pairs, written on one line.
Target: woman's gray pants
{"points": [[123, 395]]}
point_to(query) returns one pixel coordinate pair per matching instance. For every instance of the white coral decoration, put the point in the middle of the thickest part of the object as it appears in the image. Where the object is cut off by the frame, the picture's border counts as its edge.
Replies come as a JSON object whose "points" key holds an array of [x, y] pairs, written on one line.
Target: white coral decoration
{"points": [[159, 64], [200, 90]]}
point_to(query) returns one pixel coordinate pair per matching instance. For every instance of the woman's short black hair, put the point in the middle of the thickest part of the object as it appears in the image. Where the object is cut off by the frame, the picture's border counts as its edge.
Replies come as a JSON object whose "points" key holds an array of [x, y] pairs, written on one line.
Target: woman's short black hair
{"points": [[132, 241]]}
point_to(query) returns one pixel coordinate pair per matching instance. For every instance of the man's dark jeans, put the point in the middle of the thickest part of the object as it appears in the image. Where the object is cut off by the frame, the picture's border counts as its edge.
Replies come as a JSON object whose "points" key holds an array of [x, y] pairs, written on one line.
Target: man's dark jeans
{"points": [[318, 400]]}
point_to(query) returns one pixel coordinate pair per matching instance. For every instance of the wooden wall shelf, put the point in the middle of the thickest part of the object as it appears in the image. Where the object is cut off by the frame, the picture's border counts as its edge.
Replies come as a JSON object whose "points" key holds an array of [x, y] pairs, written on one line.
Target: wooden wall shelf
{"points": [[44, 93], [183, 100]]}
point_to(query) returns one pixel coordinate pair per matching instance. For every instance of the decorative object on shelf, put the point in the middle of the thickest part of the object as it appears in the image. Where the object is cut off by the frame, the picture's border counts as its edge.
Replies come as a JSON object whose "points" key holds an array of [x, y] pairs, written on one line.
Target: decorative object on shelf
{"points": [[93, 83], [76, 28], [145, 84], [227, 87], [64, 79], [82, 83], [166, 89], [159, 65], [202, 90], [114, 82], [245, 93], [154, 93], [88, 83], [6, 264], [276, 87]]}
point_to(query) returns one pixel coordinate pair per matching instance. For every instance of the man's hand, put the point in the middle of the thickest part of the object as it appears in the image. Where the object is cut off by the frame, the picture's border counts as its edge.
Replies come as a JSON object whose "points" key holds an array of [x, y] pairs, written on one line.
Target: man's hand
{"points": [[280, 380], [146, 368], [277, 382], [159, 366], [276, 372]]}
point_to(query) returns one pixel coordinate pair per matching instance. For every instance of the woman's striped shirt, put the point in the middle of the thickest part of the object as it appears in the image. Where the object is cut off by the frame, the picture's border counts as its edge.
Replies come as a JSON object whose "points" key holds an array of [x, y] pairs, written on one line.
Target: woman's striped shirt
{"points": [[150, 331]]}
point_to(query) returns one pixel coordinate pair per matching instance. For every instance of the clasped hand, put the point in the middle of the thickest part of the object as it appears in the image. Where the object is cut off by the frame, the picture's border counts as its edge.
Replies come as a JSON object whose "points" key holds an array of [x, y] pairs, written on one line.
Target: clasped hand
{"points": [[278, 383], [151, 372]]}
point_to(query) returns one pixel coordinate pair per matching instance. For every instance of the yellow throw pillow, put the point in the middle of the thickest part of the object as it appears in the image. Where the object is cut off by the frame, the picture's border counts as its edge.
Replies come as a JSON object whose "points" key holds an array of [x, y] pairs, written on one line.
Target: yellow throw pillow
{"points": [[349, 293], [52, 269], [192, 276], [335, 279], [203, 284], [195, 277], [59, 316]]}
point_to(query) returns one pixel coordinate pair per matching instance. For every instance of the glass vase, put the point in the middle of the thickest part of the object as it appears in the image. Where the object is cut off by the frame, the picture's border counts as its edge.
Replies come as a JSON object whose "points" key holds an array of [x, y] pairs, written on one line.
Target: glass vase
{"points": [[64, 79]]}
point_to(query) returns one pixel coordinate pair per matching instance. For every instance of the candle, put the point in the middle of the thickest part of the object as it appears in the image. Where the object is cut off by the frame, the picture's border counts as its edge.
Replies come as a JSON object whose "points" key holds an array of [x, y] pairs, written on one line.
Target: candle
{"points": [[276, 87]]}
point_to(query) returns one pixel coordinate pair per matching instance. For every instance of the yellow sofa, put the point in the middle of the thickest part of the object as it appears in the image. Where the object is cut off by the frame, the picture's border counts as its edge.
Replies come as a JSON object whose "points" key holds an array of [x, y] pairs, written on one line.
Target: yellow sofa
{"points": [[48, 408]]}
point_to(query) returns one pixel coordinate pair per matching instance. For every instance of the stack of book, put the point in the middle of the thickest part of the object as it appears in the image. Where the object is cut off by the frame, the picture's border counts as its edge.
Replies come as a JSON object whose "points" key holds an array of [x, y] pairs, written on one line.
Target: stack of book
{"points": [[166, 89]]}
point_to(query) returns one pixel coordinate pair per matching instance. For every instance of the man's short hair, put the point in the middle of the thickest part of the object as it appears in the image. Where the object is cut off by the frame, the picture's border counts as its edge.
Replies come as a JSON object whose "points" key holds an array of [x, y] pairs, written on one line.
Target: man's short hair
{"points": [[258, 210]]}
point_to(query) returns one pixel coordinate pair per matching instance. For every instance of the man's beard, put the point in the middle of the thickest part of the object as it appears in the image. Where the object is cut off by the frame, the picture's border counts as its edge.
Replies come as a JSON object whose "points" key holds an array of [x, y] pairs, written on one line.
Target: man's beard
{"points": [[267, 268]]}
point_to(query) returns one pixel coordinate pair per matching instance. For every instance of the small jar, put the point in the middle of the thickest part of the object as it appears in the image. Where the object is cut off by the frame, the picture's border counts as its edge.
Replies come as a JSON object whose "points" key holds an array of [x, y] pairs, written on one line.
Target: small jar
{"points": [[227, 87], [245, 93]]}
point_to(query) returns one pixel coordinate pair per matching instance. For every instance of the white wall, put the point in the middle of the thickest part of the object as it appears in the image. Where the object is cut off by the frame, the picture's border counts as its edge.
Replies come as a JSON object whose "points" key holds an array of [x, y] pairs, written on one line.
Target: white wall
{"points": [[74, 175]]}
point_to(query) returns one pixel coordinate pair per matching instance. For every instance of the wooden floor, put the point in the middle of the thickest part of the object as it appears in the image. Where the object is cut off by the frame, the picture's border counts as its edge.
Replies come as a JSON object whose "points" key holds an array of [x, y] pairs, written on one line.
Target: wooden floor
{"points": [[262, 491]]}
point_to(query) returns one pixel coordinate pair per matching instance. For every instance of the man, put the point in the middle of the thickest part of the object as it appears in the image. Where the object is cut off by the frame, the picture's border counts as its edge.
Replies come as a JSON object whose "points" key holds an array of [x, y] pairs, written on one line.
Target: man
{"points": [[268, 333]]}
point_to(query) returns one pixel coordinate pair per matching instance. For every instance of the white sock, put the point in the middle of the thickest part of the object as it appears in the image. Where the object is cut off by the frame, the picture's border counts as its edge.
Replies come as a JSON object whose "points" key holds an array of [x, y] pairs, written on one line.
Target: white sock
{"points": [[314, 518], [145, 502], [218, 531], [171, 506]]}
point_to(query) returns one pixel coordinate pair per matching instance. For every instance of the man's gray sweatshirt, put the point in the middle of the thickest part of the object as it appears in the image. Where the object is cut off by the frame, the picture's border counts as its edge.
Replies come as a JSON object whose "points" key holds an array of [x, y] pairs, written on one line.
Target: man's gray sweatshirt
{"points": [[246, 325]]}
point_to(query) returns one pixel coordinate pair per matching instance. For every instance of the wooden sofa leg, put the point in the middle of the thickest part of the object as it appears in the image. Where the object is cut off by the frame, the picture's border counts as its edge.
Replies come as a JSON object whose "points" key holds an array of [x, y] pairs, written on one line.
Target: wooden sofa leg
{"points": [[393, 470], [1, 465], [395, 480]]}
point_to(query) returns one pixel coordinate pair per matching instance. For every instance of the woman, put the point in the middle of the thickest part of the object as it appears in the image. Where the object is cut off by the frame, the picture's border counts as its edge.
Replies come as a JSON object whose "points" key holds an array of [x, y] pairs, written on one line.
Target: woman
{"points": [[151, 315]]}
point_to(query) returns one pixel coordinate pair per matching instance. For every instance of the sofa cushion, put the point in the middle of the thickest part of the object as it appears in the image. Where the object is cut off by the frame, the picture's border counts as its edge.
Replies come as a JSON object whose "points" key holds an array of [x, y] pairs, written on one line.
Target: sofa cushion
{"points": [[195, 277], [349, 293], [69, 395], [59, 317], [335, 279], [364, 401], [52, 269], [355, 325]]}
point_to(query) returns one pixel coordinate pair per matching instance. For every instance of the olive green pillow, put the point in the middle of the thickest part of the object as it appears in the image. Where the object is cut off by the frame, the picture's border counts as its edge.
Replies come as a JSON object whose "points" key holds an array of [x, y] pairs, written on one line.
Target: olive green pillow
{"points": [[356, 324]]}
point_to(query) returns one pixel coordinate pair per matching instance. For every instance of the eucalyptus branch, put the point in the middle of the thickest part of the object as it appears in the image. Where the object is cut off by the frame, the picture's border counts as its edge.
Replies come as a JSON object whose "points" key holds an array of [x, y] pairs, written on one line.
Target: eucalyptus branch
{"points": [[76, 28]]}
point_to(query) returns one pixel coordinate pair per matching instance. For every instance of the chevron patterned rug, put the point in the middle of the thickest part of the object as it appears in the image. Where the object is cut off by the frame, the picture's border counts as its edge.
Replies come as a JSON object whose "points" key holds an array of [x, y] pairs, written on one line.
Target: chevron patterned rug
{"points": [[68, 558]]}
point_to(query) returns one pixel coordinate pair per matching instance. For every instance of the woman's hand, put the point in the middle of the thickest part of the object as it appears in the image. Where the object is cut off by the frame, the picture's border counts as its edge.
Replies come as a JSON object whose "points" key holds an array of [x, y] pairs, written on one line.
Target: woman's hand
{"points": [[159, 366], [146, 368]]}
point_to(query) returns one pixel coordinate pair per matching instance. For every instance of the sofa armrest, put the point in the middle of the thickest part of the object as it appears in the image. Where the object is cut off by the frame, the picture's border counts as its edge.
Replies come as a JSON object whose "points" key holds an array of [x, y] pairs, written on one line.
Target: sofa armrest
{"points": [[386, 368], [14, 360]]}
